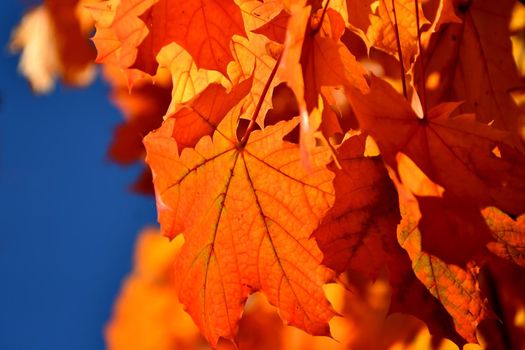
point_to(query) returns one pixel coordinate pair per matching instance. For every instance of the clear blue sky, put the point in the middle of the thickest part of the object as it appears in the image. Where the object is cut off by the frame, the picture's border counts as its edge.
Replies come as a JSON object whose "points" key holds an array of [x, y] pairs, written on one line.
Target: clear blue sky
{"points": [[67, 219]]}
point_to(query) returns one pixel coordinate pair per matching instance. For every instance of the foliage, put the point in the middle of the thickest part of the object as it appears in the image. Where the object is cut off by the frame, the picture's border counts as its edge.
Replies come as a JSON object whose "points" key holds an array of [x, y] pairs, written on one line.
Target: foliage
{"points": [[296, 143]]}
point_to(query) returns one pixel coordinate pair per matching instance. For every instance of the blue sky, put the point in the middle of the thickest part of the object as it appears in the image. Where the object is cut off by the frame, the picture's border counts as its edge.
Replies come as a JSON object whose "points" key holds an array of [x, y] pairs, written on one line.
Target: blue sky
{"points": [[67, 219]]}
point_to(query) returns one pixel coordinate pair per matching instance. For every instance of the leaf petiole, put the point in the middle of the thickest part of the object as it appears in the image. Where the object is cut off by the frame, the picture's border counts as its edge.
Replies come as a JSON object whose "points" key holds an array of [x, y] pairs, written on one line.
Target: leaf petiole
{"points": [[253, 120], [399, 51], [318, 28], [422, 63]]}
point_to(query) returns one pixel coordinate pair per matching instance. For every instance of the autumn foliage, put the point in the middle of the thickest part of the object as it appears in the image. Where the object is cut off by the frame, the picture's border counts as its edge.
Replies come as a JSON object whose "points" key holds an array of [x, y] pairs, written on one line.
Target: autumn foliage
{"points": [[352, 168]]}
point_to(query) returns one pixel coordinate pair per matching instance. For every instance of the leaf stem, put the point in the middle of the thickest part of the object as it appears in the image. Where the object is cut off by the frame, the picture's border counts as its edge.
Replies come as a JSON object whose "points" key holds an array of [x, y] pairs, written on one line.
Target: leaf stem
{"points": [[421, 64], [253, 120], [318, 28], [399, 51]]}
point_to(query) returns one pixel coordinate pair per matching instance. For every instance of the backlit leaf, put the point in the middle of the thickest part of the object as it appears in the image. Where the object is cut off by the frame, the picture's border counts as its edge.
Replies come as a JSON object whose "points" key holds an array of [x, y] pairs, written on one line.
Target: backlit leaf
{"points": [[472, 62], [384, 34], [456, 153], [203, 28], [247, 214], [456, 289], [509, 233], [352, 235], [54, 43]]}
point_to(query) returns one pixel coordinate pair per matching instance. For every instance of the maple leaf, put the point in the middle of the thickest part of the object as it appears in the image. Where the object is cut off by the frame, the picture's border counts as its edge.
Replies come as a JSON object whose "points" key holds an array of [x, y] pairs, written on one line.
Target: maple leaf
{"points": [[142, 109], [456, 153], [457, 289], [324, 59], [247, 214], [146, 315], [290, 70], [394, 29], [510, 235], [472, 61], [314, 59], [357, 15], [276, 28], [187, 80], [253, 61], [257, 13], [119, 30], [249, 58], [201, 116], [353, 232], [359, 233], [411, 296], [444, 12], [327, 62], [54, 44], [444, 219], [203, 28]]}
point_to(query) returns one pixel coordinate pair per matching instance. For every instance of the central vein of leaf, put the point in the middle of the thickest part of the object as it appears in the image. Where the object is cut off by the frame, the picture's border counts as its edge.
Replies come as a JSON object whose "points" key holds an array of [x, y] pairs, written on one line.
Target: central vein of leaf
{"points": [[222, 199]]}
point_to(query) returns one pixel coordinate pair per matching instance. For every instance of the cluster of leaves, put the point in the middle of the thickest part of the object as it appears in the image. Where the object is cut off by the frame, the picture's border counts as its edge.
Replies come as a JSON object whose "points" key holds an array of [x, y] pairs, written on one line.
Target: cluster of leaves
{"points": [[306, 142], [147, 316]]}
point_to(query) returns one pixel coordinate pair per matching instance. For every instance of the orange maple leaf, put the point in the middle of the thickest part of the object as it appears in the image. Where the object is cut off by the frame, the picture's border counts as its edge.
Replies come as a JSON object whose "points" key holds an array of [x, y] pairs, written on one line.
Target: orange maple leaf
{"points": [[203, 28], [119, 30], [443, 12], [353, 231], [445, 220], [254, 54], [314, 59], [509, 233], [187, 80], [247, 214], [472, 61], [326, 62], [456, 289], [200, 116], [54, 43], [147, 315], [359, 12], [143, 108], [411, 296], [394, 29], [456, 153], [323, 59], [276, 28]]}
